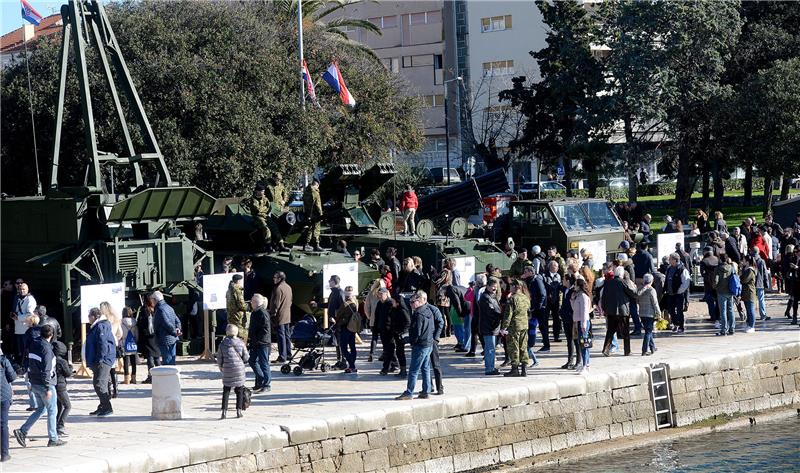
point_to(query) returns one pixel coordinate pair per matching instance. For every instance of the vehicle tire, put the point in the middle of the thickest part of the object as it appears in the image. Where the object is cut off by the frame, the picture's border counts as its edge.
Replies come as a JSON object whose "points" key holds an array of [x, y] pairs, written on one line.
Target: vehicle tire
{"points": [[286, 369], [298, 370]]}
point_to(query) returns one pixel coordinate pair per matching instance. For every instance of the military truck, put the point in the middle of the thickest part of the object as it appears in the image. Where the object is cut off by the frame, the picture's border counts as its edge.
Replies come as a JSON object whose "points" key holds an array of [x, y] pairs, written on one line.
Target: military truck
{"points": [[567, 223]]}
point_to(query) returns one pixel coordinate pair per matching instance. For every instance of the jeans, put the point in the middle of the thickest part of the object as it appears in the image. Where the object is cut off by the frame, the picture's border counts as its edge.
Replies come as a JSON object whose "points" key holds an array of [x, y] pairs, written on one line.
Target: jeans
{"points": [[762, 309], [44, 404], [284, 341], [348, 343], [259, 361], [466, 344], [458, 331], [31, 398], [751, 313], [101, 376], [64, 406], [420, 365], [675, 307], [710, 297], [4, 406], [151, 362], [637, 322], [614, 344], [726, 320], [647, 341], [489, 342], [129, 362], [584, 350], [167, 354]]}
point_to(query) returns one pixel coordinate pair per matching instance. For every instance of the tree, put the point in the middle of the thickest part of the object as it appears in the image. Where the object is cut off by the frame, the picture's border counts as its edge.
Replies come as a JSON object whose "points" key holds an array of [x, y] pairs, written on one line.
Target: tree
{"points": [[697, 38], [565, 115], [635, 76], [219, 82]]}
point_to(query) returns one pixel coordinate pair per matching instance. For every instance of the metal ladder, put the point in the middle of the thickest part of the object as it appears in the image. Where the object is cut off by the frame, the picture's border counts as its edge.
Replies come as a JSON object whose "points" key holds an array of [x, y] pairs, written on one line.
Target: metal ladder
{"points": [[661, 394]]}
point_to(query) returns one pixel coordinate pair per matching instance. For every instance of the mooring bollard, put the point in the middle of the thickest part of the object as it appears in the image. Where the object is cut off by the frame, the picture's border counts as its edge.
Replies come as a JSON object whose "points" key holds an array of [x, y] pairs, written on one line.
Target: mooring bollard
{"points": [[166, 393]]}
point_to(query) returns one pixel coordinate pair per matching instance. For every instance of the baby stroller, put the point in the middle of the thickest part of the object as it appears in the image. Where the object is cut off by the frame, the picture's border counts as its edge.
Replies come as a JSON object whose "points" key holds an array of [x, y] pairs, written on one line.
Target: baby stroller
{"points": [[309, 339]]}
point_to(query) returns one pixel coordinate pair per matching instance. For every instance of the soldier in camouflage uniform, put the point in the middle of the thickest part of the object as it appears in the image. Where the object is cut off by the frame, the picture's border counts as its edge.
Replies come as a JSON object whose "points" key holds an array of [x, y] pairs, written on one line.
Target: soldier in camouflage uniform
{"points": [[276, 192], [515, 326], [312, 206], [236, 306], [260, 209]]}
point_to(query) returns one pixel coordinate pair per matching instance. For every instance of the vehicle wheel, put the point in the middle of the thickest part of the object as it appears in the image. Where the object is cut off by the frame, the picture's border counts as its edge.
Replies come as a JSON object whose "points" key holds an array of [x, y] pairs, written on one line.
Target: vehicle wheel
{"points": [[286, 369], [325, 367], [297, 370]]}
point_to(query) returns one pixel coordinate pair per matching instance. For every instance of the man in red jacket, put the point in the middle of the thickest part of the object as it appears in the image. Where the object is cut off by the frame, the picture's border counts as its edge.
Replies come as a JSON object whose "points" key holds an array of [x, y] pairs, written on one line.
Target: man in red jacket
{"points": [[408, 205]]}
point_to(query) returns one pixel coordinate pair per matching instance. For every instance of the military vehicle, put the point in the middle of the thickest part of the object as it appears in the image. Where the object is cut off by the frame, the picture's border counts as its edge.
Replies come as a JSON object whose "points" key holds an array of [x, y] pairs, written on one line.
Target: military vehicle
{"points": [[104, 230], [566, 223]]}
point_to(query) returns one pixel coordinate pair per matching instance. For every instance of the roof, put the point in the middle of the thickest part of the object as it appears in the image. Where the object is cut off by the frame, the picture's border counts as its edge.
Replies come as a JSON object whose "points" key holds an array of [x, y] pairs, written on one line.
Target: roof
{"points": [[13, 41]]}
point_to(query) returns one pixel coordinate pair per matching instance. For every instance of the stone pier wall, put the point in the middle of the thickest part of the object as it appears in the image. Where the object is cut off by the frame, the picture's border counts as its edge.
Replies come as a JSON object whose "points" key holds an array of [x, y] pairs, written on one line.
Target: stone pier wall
{"points": [[460, 433]]}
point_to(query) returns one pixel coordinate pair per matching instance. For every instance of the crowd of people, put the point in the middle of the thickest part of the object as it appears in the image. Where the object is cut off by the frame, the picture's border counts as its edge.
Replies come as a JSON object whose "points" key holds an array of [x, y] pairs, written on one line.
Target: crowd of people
{"points": [[409, 308]]}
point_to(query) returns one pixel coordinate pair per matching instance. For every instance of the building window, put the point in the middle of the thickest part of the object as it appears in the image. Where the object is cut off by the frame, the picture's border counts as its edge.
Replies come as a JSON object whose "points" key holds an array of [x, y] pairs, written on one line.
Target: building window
{"points": [[392, 64], [349, 29], [496, 23], [433, 100], [427, 17], [406, 61], [498, 68], [384, 22], [436, 145], [422, 60], [438, 69]]}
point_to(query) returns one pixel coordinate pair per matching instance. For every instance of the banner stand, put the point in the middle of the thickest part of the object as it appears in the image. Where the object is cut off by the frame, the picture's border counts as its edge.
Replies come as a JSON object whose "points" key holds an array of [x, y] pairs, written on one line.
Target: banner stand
{"points": [[206, 355], [83, 371]]}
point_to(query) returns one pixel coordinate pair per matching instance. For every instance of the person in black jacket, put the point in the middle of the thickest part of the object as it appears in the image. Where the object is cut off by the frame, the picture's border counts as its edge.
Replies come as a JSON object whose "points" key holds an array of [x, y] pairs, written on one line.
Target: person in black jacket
{"points": [[259, 342], [400, 321], [42, 373], [552, 281], [491, 316], [146, 340], [382, 327], [421, 337], [393, 263], [618, 295], [7, 376], [538, 293], [63, 371], [436, 366]]}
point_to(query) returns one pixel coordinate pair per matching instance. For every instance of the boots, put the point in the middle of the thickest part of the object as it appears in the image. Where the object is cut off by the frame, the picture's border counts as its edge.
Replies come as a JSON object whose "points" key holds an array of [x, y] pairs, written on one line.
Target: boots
{"points": [[524, 370], [133, 379], [225, 395], [127, 380], [514, 373], [239, 401]]}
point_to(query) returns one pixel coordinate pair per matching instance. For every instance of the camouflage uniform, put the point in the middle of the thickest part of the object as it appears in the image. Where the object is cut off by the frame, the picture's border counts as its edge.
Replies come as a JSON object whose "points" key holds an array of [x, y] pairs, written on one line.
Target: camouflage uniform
{"points": [[518, 267], [237, 309], [260, 210], [515, 320], [312, 206], [276, 194]]}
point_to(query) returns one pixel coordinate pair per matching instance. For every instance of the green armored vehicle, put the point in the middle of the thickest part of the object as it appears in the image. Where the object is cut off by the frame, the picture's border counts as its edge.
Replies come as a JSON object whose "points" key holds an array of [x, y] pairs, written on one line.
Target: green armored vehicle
{"points": [[573, 224]]}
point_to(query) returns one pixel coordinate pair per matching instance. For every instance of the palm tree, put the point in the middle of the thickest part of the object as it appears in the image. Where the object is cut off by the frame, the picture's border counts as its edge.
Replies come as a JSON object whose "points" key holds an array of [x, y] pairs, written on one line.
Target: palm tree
{"points": [[314, 16]]}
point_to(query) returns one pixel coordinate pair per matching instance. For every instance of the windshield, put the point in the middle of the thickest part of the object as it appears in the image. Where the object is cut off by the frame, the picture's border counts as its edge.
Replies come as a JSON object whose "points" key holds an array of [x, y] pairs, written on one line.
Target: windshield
{"points": [[572, 217], [600, 215]]}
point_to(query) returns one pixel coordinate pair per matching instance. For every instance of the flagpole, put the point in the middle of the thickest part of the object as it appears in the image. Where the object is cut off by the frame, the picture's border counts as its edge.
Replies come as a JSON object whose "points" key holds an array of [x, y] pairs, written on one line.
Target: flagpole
{"points": [[300, 47], [30, 101]]}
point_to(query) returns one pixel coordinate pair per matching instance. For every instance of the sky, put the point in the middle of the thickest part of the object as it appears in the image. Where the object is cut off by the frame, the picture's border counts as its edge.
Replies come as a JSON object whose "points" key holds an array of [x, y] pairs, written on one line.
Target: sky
{"points": [[11, 12]]}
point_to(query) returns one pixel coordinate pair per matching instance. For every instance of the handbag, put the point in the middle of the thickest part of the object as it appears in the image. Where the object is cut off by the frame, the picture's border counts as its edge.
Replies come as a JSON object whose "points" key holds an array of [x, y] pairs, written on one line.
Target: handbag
{"points": [[130, 343], [247, 396], [586, 340]]}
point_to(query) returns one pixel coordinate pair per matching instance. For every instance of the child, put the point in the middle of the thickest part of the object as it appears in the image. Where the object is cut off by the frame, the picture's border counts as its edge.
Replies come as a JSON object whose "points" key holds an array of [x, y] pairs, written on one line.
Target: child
{"points": [[129, 346], [63, 371]]}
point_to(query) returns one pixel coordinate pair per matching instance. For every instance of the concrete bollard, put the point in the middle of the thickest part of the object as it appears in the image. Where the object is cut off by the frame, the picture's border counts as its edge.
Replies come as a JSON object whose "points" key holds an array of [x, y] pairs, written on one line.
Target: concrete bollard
{"points": [[166, 393]]}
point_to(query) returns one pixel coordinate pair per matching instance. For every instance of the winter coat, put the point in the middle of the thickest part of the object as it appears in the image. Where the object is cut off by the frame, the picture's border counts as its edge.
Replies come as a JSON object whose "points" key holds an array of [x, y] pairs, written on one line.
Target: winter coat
{"points": [[553, 285], [420, 332], [748, 279], [643, 263], [335, 300], [41, 364], [677, 279], [516, 313], [146, 337], [732, 249], [491, 314], [518, 266], [259, 329], [581, 306], [707, 267], [280, 303], [231, 358], [382, 322], [762, 278], [166, 324], [408, 201], [722, 277], [100, 345], [438, 322], [409, 282], [648, 302], [7, 376], [47, 320], [617, 297], [237, 308], [399, 320], [538, 293], [128, 326], [63, 368]]}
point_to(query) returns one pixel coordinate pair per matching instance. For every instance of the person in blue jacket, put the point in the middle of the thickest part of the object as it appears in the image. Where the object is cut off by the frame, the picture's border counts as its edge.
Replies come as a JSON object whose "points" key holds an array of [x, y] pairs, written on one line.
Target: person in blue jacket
{"points": [[101, 354], [167, 326]]}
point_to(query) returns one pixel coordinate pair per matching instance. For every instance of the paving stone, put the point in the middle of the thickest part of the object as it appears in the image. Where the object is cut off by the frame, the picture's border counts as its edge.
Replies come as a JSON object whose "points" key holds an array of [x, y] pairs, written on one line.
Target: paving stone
{"points": [[376, 459], [473, 422], [461, 462], [456, 406], [571, 387], [541, 446], [331, 448], [483, 401], [558, 442], [306, 431], [371, 420], [542, 391], [439, 465], [450, 426], [428, 411], [428, 430], [486, 457], [506, 453], [407, 433], [352, 462], [339, 426], [355, 443], [380, 438], [513, 396], [325, 465]]}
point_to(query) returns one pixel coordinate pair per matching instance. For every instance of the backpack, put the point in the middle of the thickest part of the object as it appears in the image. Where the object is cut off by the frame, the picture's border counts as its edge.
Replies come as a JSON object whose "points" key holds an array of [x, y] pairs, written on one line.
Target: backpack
{"points": [[130, 343], [735, 285]]}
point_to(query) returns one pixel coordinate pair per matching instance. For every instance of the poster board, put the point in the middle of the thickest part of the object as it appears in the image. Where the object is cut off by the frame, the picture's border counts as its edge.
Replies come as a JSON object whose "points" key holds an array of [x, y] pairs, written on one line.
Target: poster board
{"points": [[92, 295], [666, 244], [348, 276], [215, 286], [598, 250], [465, 265]]}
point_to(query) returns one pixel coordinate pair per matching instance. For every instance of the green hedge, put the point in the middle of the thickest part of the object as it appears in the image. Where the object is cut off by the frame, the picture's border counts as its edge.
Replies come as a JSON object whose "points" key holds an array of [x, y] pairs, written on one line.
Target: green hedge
{"points": [[660, 188]]}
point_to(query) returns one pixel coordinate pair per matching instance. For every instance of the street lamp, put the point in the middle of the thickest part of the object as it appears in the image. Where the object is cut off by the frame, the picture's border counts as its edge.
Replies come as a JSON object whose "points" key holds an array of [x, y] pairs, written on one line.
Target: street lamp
{"points": [[447, 125]]}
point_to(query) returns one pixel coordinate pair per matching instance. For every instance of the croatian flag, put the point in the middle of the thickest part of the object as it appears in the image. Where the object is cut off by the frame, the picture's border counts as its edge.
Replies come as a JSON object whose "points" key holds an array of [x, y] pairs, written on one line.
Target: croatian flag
{"points": [[333, 76], [312, 94], [28, 13]]}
